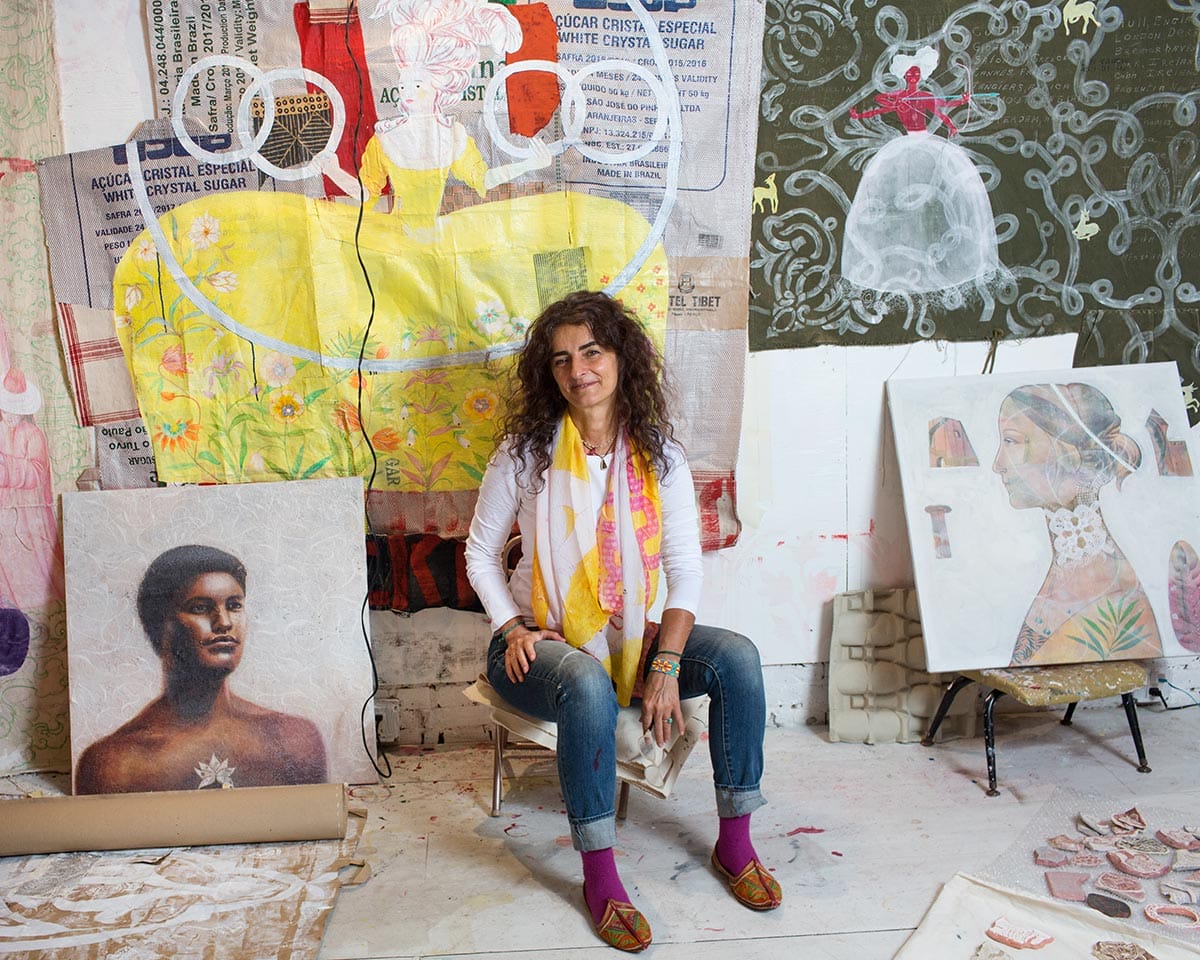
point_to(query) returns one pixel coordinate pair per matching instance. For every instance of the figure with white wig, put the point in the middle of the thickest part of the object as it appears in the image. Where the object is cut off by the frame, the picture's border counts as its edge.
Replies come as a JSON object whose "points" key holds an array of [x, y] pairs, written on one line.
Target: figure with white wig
{"points": [[436, 44]]}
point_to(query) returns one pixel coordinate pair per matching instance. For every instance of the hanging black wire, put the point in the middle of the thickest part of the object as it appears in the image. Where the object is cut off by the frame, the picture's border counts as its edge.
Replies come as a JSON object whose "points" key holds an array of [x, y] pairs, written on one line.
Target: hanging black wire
{"points": [[364, 612]]}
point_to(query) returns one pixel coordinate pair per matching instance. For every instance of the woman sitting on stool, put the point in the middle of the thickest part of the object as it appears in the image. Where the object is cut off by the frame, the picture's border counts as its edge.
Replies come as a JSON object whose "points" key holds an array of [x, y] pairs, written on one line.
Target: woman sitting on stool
{"points": [[603, 497]]}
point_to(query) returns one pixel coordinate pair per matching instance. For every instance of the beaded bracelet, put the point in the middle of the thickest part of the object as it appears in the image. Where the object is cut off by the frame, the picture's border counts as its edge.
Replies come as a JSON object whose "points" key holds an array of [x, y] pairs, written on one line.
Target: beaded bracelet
{"points": [[520, 623], [662, 665]]}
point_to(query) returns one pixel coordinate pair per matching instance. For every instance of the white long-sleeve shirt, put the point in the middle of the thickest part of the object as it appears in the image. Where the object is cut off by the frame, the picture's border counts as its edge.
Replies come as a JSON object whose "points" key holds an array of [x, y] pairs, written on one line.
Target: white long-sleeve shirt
{"points": [[504, 496]]}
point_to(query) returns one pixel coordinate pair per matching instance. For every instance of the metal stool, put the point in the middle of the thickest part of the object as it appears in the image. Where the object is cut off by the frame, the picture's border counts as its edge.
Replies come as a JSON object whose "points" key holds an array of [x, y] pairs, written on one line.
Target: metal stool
{"points": [[653, 770], [1044, 686]]}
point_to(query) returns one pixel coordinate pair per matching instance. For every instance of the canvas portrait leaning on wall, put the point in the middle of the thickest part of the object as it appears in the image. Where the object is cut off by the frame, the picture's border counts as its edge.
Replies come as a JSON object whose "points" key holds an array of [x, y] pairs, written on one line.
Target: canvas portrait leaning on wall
{"points": [[1071, 533], [215, 637]]}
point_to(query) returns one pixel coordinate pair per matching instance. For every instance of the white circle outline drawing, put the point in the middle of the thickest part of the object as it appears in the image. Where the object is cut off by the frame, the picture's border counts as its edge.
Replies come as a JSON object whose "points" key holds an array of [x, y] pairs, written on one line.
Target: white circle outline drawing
{"points": [[252, 145], [312, 166], [178, 107], [576, 115]]}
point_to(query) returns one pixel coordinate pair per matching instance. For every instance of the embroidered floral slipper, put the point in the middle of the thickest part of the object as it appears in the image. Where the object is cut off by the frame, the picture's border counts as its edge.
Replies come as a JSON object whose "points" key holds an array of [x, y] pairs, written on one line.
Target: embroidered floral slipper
{"points": [[623, 926], [754, 886]]}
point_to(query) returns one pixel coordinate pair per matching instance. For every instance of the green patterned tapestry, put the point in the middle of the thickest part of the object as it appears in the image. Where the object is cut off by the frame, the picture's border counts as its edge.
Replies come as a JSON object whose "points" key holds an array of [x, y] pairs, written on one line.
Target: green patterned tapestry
{"points": [[970, 170]]}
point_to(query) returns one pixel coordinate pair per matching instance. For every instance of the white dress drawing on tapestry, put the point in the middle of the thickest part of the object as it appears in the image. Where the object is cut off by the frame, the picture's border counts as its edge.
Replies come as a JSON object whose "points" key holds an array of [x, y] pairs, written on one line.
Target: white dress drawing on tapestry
{"points": [[920, 220]]}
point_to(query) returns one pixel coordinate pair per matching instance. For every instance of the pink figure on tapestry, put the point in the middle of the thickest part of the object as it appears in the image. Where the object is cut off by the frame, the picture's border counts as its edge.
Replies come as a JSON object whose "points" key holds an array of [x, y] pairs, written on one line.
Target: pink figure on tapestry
{"points": [[31, 564], [1060, 445], [435, 51], [921, 220]]}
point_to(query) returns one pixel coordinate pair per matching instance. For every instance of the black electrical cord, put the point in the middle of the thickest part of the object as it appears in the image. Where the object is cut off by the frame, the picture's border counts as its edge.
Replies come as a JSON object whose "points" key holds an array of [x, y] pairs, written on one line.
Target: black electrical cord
{"points": [[364, 612], [1156, 692]]}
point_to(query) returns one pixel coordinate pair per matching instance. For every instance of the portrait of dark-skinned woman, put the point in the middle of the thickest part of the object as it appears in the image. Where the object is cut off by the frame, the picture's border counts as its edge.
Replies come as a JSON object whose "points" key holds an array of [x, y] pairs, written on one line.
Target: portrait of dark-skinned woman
{"points": [[192, 604]]}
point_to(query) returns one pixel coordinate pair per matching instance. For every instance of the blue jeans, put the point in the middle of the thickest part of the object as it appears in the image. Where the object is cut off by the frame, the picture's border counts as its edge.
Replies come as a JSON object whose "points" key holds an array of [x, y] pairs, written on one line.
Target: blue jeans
{"points": [[571, 688]]}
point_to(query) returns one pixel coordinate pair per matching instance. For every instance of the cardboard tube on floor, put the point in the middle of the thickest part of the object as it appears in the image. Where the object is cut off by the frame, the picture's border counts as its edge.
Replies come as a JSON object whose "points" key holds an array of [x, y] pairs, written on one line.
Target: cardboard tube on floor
{"points": [[172, 818]]}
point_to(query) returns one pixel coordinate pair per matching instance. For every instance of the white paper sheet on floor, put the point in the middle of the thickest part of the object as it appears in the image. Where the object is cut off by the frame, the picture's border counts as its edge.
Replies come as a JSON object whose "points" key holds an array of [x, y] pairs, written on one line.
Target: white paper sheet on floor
{"points": [[956, 923]]}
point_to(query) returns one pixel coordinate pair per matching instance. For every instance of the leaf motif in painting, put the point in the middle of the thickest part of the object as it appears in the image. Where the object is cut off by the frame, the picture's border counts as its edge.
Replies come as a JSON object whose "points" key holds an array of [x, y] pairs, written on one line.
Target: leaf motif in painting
{"points": [[1183, 592], [1114, 629]]}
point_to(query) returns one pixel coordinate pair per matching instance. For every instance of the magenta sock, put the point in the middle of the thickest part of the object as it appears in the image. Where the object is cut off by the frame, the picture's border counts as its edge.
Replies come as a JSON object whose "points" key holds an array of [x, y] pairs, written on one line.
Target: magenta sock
{"points": [[734, 848], [600, 881]]}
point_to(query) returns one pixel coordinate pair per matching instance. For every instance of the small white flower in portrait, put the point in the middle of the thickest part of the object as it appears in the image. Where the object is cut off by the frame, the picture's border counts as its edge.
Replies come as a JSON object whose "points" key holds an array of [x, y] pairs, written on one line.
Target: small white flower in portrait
{"points": [[215, 772]]}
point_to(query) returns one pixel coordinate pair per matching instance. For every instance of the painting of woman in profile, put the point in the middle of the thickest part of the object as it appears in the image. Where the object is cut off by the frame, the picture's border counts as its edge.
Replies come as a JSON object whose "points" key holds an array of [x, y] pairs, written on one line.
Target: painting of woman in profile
{"points": [[1059, 446], [197, 733]]}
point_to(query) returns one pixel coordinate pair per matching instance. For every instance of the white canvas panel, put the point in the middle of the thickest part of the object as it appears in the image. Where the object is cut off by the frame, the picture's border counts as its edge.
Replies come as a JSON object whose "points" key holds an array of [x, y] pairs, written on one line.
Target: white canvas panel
{"points": [[880, 559], [818, 487], [86, 35], [303, 650], [775, 585], [1005, 575]]}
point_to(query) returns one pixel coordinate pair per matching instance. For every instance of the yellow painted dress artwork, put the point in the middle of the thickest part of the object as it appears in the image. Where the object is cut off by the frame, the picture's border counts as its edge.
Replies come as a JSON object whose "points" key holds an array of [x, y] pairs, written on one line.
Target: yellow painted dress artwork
{"points": [[396, 326]]}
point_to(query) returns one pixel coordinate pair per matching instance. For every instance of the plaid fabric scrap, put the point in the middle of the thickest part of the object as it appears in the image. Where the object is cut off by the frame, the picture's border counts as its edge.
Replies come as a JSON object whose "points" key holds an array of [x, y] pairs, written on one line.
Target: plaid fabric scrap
{"points": [[100, 383]]}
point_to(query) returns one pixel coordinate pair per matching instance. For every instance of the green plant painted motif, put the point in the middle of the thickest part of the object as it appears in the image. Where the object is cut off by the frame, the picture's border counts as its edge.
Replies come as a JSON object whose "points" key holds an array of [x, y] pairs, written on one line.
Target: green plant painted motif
{"points": [[1114, 630]]}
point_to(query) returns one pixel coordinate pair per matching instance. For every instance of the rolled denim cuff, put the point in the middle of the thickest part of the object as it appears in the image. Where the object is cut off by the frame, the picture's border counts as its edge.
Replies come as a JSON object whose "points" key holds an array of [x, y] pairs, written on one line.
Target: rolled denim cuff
{"points": [[733, 802], [598, 834]]}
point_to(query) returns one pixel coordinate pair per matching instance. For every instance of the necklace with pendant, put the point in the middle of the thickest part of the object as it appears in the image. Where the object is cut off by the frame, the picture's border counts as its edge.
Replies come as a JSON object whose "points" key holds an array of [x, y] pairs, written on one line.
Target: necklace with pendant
{"points": [[594, 450]]}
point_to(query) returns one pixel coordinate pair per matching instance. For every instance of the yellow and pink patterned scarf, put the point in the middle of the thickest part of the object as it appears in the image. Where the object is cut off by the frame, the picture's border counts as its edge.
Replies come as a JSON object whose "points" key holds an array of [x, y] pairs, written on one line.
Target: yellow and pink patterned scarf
{"points": [[597, 583]]}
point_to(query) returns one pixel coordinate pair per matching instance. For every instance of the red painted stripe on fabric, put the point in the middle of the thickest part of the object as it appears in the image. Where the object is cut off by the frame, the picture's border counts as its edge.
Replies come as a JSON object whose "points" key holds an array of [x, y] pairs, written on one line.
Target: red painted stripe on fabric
{"points": [[398, 548], [323, 49], [534, 96], [422, 571], [465, 593]]}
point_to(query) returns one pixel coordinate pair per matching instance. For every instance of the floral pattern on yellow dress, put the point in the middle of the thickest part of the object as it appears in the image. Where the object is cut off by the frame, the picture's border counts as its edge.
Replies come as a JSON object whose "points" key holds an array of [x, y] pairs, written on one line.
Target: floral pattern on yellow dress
{"points": [[220, 409]]}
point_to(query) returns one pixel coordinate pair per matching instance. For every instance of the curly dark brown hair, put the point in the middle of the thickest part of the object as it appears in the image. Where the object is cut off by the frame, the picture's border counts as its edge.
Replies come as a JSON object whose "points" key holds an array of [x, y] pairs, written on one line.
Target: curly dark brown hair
{"points": [[535, 404]]}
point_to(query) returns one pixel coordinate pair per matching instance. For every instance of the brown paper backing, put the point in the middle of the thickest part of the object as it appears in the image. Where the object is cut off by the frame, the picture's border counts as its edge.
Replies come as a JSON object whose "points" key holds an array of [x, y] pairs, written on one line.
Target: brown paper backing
{"points": [[170, 818]]}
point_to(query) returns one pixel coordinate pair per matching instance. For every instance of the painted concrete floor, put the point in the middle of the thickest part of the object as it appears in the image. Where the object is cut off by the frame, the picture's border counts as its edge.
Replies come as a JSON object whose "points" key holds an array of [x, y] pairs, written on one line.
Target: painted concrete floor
{"points": [[860, 837]]}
